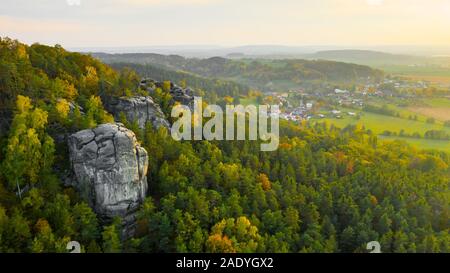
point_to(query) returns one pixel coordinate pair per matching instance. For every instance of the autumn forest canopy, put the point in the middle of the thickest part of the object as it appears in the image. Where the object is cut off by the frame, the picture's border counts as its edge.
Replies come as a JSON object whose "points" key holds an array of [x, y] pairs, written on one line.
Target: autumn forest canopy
{"points": [[326, 189]]}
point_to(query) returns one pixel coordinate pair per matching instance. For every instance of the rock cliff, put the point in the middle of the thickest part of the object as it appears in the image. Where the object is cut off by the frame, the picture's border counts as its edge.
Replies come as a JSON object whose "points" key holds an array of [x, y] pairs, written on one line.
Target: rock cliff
{"points": [[110, 170], [140, 109], [184, 96]]}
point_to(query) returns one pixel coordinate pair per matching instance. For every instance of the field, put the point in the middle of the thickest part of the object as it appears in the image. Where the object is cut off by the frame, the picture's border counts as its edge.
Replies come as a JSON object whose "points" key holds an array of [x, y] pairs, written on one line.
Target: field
{"points": [[379, 123], [437, 102], [442, 114], [438, 108], [439, 74], [404, 111], [445, 80], [427, 144]]}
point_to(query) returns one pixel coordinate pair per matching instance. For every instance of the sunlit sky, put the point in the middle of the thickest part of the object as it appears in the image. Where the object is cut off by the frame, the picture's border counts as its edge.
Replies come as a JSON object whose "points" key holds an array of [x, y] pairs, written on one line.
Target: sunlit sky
{"points": [[78, 23]]}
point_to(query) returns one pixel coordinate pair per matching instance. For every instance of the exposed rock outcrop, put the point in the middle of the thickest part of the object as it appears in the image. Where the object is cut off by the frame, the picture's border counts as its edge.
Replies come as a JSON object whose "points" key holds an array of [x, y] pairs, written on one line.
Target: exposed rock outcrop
{"points": [[140, 109], [183, 96], [110, 170]]}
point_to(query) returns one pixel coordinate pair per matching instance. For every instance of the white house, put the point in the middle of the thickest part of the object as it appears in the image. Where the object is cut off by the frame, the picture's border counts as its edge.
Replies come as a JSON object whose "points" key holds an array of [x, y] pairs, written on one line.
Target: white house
{"points": [[339, 91]]}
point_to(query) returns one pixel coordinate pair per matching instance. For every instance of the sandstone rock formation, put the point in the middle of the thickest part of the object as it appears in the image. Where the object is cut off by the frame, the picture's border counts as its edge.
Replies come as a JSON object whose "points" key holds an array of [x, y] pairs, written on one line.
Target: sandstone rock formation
{"points": [[110, 170], [183, 96], [140, 109]]}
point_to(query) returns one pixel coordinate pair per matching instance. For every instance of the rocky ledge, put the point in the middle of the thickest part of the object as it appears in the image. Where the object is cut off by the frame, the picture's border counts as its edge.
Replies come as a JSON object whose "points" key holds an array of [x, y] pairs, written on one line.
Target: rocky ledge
{"points": [[184, 96], [110, 170], [141, 109]]}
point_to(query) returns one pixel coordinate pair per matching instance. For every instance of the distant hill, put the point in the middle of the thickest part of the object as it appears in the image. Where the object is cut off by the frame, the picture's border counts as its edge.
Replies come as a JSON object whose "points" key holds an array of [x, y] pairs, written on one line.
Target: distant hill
{"points": [[264, 74], [368, 57], [211, 87], [141, 58], [267, 51]]}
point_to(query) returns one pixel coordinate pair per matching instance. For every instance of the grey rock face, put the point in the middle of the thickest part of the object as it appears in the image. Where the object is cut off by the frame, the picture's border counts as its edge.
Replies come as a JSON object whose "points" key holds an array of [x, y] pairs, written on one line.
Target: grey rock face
{"points": [[183, 96], [141, 109], [110, 169]]}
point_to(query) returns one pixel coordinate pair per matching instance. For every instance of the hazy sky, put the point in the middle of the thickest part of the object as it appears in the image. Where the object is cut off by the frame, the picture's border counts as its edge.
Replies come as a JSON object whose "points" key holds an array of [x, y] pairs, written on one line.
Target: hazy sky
{"points": [[226, 22]]}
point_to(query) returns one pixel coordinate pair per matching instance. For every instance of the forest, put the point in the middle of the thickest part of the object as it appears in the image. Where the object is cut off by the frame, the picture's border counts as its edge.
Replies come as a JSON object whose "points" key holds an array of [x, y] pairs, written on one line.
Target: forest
{"points": [[326, 189], [263, 74], [212, 89]]}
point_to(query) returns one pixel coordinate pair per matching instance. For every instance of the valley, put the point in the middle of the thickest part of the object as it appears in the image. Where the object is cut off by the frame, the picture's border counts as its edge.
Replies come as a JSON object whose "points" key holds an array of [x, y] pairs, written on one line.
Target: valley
{"points": [[224, 136], [410, 109], [86, 155]]}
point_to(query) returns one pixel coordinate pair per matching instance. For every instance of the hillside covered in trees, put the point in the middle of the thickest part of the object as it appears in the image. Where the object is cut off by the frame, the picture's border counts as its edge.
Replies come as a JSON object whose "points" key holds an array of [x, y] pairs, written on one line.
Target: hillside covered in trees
{"points": [[267, 75], [212, 89], [324, 190]]}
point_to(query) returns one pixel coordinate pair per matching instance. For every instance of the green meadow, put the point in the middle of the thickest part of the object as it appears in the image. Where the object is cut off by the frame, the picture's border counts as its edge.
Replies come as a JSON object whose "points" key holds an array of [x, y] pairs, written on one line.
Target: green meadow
{"points": [[427, 144], [438, 74], [378, 123], [248, 101], [437, 102], [420, 70]]}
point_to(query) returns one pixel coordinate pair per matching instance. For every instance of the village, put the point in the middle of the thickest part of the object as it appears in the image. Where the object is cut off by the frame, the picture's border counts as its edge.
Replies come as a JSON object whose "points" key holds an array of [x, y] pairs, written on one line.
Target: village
{"points": [[301, 104]]}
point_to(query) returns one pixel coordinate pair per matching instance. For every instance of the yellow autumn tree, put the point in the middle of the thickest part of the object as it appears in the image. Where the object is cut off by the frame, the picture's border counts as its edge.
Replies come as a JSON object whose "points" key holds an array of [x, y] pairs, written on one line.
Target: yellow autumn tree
{"points": [[29, 151], [62, 89], [233, 235], [265, 182], [62, 108], [217, 243]]}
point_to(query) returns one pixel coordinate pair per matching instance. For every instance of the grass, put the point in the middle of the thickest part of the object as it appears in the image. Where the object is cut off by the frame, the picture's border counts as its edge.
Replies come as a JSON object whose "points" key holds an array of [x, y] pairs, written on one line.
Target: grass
{"points": [[434, 79], [405, 112], [438, 108], [248, 101], [437, 102], [420, 70], [426, 144], [433, 73], [380, 123], [441, 114]]}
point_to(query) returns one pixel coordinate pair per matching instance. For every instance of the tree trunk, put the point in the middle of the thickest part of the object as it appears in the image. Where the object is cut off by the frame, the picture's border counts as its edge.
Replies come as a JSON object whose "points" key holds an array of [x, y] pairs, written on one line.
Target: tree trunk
{"points": [[18, 188]]}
